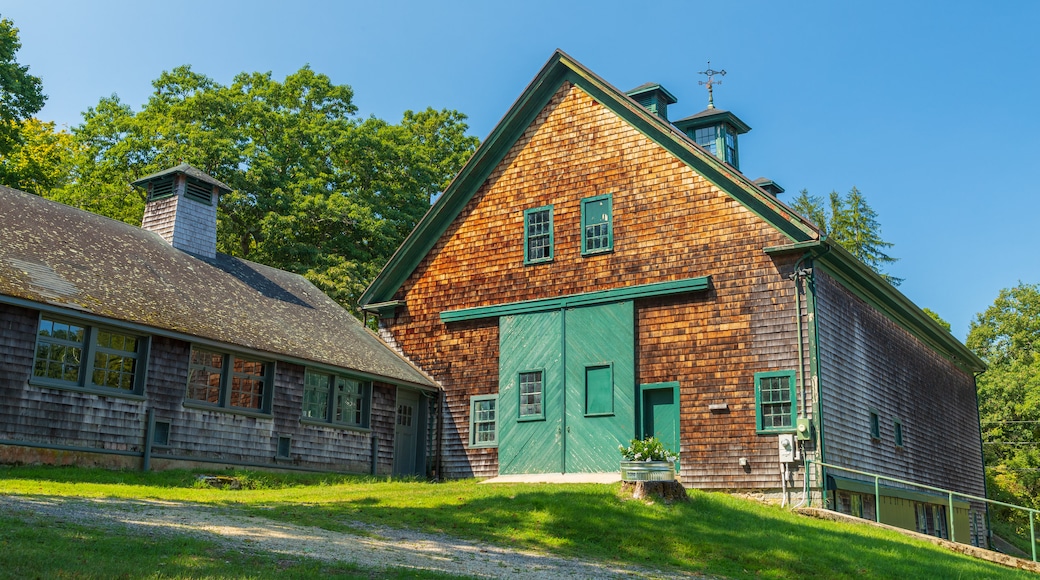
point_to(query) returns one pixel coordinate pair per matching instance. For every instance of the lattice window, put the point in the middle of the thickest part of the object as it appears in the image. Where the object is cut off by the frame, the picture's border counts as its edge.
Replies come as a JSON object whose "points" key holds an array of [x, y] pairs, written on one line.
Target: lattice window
{"points": [[229, 381], [483, 421], [538, 235], [76, 355], [597, 225], [531, 394], [774, 395]]}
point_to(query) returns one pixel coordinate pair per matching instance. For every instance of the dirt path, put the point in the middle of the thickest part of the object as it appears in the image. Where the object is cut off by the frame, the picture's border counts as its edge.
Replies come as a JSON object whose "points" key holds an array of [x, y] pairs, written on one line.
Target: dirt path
{"points": [[382, 547]]}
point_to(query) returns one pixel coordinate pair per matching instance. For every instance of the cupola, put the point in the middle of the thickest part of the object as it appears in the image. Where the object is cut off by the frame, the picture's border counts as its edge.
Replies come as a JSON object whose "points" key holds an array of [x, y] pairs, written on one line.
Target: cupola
{"points": [[654, 98], [715, 129], [181, 206]]}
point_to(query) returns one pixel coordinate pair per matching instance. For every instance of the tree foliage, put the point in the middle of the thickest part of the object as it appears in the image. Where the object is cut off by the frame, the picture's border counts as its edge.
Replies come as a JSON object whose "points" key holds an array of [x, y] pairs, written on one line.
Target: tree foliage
{"points": [[1007, 336], [316, 190], [935, 316], [40, 160], [21, 94], [850, 221]]}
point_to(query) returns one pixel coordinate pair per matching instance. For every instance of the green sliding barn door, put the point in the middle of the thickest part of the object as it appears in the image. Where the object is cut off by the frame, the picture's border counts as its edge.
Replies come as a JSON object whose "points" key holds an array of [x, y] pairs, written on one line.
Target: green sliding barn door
{"points": [[566, 389]]}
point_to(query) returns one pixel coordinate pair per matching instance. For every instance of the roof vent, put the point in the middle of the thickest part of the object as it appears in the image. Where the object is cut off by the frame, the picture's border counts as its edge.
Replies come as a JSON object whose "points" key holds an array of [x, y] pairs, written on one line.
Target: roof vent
{"points": [[182, 208], [654, 98], [772, 187]]}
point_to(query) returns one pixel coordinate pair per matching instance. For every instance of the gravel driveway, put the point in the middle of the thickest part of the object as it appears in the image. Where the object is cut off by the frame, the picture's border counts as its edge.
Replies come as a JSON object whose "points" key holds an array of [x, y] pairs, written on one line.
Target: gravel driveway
{"points": [[380, 548]]}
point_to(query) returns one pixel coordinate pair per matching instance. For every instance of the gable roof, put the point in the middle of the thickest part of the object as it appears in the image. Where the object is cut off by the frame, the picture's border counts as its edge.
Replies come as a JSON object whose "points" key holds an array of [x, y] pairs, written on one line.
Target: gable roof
{"points": [[554, 73], [804, 235], [67, 261]]}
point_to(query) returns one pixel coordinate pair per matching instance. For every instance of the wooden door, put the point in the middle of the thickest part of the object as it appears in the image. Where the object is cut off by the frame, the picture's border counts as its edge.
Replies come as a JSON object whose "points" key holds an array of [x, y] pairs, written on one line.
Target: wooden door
{"points": [[578, 366], [406, 433], [660, 406]]}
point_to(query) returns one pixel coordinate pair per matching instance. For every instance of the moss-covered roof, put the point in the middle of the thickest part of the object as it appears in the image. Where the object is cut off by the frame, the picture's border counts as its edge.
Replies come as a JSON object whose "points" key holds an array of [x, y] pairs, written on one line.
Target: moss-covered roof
{"points": [[63, 259]]}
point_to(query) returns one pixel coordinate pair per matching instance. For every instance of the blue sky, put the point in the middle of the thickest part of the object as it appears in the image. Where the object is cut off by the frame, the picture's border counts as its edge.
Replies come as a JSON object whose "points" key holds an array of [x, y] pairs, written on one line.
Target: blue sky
{"points": [[929, 108]]}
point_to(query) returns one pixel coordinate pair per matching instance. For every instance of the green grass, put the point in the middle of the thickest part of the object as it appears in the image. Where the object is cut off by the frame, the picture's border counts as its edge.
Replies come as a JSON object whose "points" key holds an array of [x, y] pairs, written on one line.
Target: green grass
{"points": [[713, 534]]}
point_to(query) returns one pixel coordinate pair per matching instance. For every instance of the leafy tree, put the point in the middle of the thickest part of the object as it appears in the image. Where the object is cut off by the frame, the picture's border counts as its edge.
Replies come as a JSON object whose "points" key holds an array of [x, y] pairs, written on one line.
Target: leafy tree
{"points": [[851, 222], [21, 94], [41, 159], [935, 316], [316, 190], [1007, 336]]}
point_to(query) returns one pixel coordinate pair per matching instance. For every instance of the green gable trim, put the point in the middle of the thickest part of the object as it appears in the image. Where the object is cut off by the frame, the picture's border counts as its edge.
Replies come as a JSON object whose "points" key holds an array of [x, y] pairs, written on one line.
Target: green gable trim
{"points": [[865, 283], [561, 68], [585, 299]]}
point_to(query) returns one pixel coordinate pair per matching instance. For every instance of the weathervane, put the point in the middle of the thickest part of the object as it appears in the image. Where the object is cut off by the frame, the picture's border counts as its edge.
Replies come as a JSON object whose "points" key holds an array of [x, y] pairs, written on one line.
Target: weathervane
{"points": [[711, 82]]}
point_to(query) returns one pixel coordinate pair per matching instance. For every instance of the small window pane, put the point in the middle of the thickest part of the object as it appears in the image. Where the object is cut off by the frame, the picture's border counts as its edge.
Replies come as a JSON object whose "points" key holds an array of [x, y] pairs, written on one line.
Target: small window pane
{"points": [[483, 419], [538, 235], [531, 394], [316, 395], [775, 408]]}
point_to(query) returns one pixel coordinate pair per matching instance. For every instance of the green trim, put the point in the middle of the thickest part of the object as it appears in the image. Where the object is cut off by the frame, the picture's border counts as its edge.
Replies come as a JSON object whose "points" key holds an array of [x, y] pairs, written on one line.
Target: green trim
{"points": [[897, 433], [227, 375], [836, 482], [874, 423], [384, 309], [562, 68], [759, 427], [585, 299], [868, 285], [473, 400], [586, 218], [674, 386], [603, 365], [527, 230]]}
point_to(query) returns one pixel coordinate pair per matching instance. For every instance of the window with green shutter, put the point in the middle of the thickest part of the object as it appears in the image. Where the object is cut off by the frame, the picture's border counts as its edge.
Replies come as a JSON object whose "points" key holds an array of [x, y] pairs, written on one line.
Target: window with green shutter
{"points": [[774, 401], [597, 225]]}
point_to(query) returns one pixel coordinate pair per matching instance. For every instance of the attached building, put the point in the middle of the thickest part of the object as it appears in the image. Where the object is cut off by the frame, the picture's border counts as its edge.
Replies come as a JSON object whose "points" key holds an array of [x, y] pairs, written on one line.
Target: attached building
{"points": [[122, 345], [597, 273]]}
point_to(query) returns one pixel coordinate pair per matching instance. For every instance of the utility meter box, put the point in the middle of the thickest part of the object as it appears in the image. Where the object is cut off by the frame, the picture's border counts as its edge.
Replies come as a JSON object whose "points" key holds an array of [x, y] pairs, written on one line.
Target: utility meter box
{"points": [[788, 449], [803, 429]]}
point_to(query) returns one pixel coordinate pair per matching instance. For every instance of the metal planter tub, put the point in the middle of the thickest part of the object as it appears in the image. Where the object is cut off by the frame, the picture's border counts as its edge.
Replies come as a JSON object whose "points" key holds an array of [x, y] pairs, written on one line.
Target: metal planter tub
{"points": [[647, 471]]}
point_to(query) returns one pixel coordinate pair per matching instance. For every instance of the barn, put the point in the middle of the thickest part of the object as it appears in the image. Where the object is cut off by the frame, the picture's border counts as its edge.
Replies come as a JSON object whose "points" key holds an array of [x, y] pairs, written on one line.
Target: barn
{"points": [[597, 272]]}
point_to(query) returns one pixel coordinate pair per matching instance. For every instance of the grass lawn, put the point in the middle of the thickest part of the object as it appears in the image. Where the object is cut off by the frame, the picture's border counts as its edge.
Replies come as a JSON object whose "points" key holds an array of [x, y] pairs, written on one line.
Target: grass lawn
{"points": [[713, 534]]}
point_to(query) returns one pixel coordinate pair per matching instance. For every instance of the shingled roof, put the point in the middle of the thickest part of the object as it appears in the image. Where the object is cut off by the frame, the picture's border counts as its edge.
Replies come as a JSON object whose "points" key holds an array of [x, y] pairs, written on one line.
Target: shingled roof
{"points": [[59, 258]]}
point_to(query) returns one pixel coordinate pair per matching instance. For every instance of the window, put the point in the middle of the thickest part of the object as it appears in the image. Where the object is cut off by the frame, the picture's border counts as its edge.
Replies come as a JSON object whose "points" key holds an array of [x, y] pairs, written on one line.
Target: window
{"points": [[229, 381], [597, 225], [897, 429], [538, 235], [731, 146], [483, 422], [71, 354], [705, 137], [531, 389], [875, 425], [330, 398], [774, 401]]}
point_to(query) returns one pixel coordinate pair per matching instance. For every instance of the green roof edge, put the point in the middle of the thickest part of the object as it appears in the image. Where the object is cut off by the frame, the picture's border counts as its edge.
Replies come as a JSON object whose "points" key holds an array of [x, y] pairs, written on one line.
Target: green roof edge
{"points": [[559, 68], [864, 282]]}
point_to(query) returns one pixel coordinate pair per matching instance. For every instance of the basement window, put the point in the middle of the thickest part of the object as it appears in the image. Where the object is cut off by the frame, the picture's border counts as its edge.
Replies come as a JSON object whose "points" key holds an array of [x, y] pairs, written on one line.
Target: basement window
{"points": [[538, 235], [336, 400], [774, 402], [483, 421], [229, 381], [597, 225], [101, 360]]}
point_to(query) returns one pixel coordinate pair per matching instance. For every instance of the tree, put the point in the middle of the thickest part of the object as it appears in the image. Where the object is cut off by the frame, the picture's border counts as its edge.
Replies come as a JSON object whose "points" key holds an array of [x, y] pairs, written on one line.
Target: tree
{"points": [[21, 94], [1007, 337], [315, 190], [852, 223], [41, 159], [935, 316]]}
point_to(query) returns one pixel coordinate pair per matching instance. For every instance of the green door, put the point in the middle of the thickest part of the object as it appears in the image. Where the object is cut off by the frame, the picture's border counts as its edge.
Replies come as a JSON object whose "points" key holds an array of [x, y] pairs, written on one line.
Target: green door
{"points": [[566, 389], [600, 358], [661, 413]]}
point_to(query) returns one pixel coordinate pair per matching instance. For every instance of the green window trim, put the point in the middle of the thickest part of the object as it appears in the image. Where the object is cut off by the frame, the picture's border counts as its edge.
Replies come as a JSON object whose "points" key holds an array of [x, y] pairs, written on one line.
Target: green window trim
{"points": [[897, 433], [483, 421], [230, 382], [538, 235], [531, 392], [336, 400], [774, 402], [72, 355], [597, 225], [875, 424]]}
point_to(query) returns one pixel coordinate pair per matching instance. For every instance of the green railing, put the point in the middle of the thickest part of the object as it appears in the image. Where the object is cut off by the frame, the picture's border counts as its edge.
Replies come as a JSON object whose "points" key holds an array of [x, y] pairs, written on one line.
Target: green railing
{"points": [[949, 495]]}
